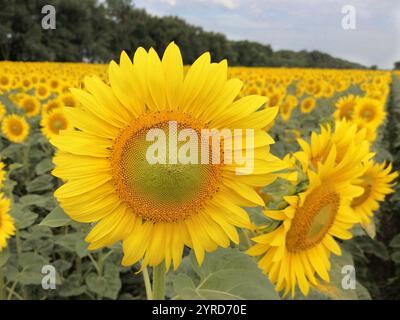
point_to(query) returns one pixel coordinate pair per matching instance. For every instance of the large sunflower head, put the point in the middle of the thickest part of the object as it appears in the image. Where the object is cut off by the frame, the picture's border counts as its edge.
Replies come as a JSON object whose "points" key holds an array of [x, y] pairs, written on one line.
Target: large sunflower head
{"points": [[15, 128], [157, 208], [53, 122], [377, 182], [297, 252], [7, 228]]}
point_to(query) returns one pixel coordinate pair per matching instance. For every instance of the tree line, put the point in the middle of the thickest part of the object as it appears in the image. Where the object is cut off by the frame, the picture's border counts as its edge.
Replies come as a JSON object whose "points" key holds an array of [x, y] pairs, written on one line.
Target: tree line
{"points": [[97, 31]]}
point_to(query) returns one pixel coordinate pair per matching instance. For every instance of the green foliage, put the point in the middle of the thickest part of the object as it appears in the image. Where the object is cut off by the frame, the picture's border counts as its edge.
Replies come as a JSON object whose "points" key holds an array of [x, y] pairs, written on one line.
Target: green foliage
{"points": [[96, 31], [225, 274], [46, 235]]}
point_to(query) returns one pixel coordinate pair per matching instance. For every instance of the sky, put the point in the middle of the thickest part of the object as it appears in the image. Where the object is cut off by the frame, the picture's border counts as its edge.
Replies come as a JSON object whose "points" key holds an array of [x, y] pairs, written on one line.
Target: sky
{"points": [[298, 24]]}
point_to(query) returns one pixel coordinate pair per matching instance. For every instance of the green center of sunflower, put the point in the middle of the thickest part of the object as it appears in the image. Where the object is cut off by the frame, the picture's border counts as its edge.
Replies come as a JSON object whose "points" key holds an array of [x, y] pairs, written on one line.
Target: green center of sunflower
{"points": [[160, 191], [313, 219]]}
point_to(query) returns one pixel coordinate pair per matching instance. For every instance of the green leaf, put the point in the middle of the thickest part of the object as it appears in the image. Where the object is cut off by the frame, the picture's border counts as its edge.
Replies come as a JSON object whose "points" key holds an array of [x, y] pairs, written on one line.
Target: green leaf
{"points": [[34, 199], [31, 265], [395, 242], [23, 216], [27, 259], [396, 257], [44, 166], [56, 218], [225, 274], [334, 289], [4, 255], [41, 183], [72, 286], [107, 285]]}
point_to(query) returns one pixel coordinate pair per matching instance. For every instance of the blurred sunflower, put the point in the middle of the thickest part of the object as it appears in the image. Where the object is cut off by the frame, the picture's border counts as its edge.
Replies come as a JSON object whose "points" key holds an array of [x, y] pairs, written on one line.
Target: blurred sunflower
{"points": [[68, 100], [345, 107], [15, 128], [377, 182], [287, 107], [3, 110], [53, 122], [308, 105], [26, 84], [2, 174], [51, 105], [158, 209], [275, 98], [42, 91], [7, 228], [30, 105], [369, 113], [54, 85], [5, 82], [299, 249]]}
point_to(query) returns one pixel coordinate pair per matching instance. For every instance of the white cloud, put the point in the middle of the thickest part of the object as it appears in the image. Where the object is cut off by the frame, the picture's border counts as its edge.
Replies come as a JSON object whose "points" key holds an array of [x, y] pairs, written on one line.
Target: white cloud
{"points": [[170, 2], [229, 4]]}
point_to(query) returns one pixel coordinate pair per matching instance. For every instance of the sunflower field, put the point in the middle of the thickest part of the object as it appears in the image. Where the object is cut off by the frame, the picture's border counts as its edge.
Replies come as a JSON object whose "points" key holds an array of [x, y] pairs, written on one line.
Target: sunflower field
{"points": [[317, 218]]}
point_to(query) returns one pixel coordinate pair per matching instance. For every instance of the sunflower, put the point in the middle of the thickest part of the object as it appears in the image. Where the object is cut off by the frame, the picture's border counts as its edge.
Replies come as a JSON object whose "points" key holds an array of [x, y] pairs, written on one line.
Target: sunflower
{"points": [[7, 228], [5, 82], [26, 84], [297, 252], [346, 138], [2, 174], [275, 98], [377, 182], [287, 107], [3, 110], [54, 85], [42, 91], [53, 122], [158, 209], [345, 107], [15, 128], [308, 105], [30, 105], [369, 113], [68, 100], [51, 105]]}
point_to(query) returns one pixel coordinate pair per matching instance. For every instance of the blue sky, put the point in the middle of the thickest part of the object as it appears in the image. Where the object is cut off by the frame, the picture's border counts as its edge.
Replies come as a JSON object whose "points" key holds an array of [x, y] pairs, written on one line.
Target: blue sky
{"points": [[298, 24]]}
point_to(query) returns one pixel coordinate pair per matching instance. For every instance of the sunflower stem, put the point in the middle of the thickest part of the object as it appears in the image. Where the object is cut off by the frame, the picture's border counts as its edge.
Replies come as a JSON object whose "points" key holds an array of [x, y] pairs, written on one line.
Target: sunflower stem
{"points": [[159, 282], [2, 285], [147, 284]]}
